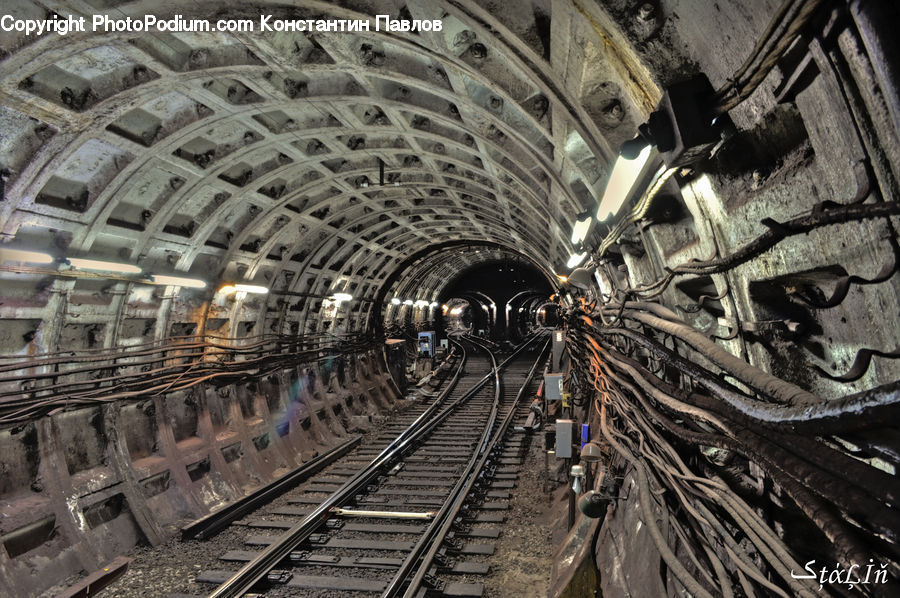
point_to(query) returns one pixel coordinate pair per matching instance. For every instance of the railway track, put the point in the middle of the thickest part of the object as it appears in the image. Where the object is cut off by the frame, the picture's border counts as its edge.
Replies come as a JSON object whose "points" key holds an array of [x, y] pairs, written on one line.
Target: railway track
{"points": [[414, 513]]}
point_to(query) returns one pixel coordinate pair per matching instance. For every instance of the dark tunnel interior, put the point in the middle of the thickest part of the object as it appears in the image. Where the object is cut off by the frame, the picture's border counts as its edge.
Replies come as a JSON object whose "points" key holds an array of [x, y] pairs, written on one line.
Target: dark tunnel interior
{"points": [[237, 237]]}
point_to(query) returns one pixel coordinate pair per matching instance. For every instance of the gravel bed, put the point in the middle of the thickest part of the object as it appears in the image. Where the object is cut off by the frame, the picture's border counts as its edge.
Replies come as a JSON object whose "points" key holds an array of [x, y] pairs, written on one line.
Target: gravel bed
{"points": [[522, 561]]}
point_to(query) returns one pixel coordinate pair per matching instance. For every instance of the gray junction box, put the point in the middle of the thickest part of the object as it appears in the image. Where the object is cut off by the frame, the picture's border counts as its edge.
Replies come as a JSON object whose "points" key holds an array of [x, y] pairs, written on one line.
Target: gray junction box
{"points": [[564, 429], [553, 386]]}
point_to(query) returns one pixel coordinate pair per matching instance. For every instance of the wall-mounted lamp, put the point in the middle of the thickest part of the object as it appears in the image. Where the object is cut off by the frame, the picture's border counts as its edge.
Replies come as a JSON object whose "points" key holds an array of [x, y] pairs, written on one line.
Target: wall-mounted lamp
{"points": [[178, 281], [101, 266], [580, 278], [29, 257], [581, 228], [242, 288], [593, 504], [625, 173], [576, 259]]}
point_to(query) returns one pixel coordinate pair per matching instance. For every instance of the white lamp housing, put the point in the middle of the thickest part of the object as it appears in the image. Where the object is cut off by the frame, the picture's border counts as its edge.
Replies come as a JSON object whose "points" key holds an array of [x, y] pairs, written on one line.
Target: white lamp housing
{"points": [[31, 257], [178, 281], [575, 260], [101, 266], [580, 230], [625, 174], [251, 288]]}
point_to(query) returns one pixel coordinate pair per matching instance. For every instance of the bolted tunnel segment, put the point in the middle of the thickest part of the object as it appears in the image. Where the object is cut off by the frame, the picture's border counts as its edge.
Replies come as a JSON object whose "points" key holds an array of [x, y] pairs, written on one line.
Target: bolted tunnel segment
{"points": [[472, 298]]}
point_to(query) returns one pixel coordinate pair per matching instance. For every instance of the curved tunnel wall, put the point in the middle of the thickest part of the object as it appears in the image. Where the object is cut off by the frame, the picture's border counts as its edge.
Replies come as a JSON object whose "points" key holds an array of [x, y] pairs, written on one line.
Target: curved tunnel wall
{"points": [[258, 159]]}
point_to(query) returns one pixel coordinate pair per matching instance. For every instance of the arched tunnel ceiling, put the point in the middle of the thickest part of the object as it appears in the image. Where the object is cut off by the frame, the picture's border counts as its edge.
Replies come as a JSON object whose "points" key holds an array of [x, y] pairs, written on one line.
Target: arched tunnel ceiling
{"points": [[257, 157]]}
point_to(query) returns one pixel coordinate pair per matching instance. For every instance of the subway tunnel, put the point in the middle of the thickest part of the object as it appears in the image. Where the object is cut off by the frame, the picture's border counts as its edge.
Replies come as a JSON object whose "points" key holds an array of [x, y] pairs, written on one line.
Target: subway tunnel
{"points": [[219, 248]]}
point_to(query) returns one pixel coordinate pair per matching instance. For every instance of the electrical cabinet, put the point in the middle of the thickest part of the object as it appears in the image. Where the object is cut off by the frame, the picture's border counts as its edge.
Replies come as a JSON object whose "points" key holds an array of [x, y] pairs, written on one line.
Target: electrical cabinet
{"points": [[553, 386], [426, 344], [564, 429]]}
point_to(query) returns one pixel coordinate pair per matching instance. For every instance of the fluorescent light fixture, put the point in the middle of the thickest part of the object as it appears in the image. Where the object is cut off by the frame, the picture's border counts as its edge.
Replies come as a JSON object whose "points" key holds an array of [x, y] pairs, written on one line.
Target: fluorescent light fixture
{"points": [[455, 311], [581, 228], [178, 281], [243, 288], [433, 304], [31, 257], [575, 260], [408, 302], [396, 301], [251, 288], [338, 297], [86, 264], [624, 175]]}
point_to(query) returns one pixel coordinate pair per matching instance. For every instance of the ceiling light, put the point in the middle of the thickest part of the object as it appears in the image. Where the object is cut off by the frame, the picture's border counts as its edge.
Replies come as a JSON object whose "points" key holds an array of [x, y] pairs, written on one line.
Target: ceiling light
{"points": [[86, 264], [575, 260], [242, 288], [408, 302], [562, 278], [396, 301], [338, 297], [178, 281], [251, 288], [581, 228], [32, 257], [433, 304], [625, 174]]}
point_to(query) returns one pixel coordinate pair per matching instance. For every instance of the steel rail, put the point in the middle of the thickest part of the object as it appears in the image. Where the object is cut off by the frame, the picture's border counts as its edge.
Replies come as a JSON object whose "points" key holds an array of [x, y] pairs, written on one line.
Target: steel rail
{"points": [[206, 527], [251, 573], [446, 517], [242, 581]]}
